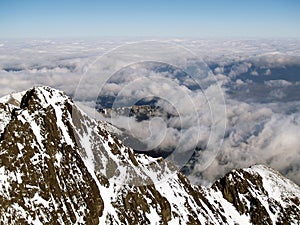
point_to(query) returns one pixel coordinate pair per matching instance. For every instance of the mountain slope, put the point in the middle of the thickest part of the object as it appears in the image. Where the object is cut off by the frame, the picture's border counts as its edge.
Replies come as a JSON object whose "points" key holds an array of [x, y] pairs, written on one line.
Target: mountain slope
{"points": [[58, 166]]}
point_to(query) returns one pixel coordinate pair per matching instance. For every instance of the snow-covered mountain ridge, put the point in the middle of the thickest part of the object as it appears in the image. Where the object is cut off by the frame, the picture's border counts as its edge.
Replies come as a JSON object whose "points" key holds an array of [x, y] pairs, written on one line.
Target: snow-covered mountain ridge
{"points": [[58, 166]]}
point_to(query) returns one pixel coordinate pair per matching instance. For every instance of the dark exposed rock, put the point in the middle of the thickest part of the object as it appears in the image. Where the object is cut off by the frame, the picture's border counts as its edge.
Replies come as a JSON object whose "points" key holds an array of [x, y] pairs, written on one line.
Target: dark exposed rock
{"points": [[42, 175], [242, 186], [58, 166]]}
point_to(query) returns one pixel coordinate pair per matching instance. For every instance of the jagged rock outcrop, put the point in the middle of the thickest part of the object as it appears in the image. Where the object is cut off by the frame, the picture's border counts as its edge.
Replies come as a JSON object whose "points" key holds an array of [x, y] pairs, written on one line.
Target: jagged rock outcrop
{"points": [[262, 194], [58, 166]]}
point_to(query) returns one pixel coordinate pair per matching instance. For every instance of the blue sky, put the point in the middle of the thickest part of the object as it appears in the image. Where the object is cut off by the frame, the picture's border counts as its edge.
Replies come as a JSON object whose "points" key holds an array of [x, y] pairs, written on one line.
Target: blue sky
{"points": [[151, 18]]}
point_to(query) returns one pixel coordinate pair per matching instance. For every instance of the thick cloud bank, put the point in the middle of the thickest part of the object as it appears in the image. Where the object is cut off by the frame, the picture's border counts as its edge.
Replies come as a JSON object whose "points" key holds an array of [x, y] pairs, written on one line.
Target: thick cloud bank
{"points": [[259, 78]]}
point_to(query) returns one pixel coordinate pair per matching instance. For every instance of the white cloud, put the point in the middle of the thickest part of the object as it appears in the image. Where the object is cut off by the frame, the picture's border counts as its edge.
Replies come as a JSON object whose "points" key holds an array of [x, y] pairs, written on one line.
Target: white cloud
{"points": [[254, 73], [277, 93], [239, 69], [268, 72], [278, 83], [256, 133], [219, 70], [239, 82]]}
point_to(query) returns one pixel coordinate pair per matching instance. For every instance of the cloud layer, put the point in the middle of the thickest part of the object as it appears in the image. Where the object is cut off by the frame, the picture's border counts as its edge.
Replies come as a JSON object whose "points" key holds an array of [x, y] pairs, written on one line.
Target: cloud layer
{"points": [[258, 77]]}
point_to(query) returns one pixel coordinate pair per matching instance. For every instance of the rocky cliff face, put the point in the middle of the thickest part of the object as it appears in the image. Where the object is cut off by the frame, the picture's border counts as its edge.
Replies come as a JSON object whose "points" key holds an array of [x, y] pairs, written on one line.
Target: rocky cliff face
{"points": [[58, 166]]}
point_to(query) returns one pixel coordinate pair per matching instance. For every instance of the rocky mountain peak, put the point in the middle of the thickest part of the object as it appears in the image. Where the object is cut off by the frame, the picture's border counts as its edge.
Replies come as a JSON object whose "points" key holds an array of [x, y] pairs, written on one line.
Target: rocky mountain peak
{"points": [[58, 166], [261, 193]]}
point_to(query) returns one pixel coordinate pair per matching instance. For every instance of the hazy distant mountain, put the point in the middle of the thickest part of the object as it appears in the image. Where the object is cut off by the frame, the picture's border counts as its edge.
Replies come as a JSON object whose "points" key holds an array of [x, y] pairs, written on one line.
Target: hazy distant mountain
{"points": [[58, 166]]}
